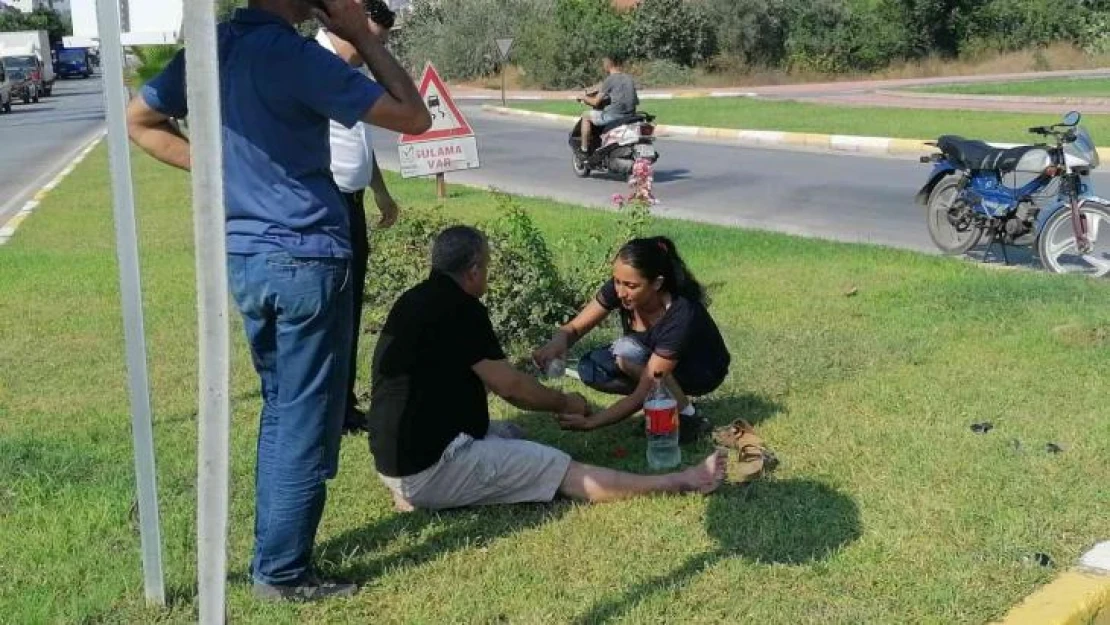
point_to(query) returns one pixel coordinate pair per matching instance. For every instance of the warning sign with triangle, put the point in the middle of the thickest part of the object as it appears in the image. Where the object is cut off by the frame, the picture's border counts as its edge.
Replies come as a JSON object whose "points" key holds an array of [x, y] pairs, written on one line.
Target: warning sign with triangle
{"points": [[447, 121]]}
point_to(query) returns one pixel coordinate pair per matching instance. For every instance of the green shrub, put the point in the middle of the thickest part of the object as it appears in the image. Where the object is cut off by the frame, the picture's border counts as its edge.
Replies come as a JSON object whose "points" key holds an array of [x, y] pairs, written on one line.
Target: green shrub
{"points": [[565, 52], [152, 60], [672, 30], [459, 37], [1018, 24], [663, 73], [527, 298], [751, 30], [399, 259]]}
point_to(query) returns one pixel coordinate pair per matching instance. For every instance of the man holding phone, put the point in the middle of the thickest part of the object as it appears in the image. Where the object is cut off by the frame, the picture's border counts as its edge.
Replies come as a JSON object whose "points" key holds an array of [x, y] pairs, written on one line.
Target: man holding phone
{"points": [[289, 244], [355, 168]]}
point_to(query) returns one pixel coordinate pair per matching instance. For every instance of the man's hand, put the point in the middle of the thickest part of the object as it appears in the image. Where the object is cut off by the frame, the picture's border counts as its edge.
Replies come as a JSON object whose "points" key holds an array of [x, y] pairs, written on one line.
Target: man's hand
{"points": [[576, 404], [345, 18], [388, 209]]}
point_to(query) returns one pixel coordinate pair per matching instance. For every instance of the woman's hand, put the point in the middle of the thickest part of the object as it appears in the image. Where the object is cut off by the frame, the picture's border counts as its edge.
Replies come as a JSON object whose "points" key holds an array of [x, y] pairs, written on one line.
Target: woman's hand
{"points": [[555, 349], [576, 422]]}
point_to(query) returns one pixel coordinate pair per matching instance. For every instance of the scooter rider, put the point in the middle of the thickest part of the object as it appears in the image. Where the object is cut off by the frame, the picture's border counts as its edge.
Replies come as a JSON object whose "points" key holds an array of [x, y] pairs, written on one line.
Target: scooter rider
{"points": [[617, 95]]}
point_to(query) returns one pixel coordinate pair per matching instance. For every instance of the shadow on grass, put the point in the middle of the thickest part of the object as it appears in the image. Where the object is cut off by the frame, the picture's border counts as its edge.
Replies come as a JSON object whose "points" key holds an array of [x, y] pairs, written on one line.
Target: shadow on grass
{"points": [[788, 522], [356, 555], [753, 408]]}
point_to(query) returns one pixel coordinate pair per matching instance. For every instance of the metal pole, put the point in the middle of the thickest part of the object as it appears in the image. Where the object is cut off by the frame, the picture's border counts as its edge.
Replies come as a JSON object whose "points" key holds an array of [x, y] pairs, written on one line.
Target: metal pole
{"points": [[127, 251], [503, 103], [203, 89]]}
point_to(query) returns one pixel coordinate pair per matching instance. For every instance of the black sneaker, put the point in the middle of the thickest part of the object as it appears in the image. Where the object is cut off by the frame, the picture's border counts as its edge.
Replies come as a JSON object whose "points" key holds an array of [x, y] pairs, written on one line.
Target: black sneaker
{"points": [[355, 422], [311, 589]]}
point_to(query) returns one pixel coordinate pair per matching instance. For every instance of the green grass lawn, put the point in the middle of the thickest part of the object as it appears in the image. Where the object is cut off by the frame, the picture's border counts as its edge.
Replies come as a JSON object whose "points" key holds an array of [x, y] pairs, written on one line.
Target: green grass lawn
{"points": [[1054, 87], [886, 508], [756, 114]]}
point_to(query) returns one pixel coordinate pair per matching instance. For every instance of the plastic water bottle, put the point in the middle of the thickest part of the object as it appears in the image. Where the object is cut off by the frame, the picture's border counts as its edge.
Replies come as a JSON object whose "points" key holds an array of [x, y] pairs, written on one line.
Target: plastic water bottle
{"points": [[661, 421]]}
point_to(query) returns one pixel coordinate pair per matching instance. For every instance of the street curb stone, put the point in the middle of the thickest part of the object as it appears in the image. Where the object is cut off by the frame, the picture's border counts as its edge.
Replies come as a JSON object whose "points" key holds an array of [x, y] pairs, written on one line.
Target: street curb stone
{"points": [[875, 146]]}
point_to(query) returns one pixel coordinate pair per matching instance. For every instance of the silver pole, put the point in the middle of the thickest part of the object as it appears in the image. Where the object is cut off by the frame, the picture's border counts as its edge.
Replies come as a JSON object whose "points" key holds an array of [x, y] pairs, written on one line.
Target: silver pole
{"points": [[203, 88], [127, 251]]}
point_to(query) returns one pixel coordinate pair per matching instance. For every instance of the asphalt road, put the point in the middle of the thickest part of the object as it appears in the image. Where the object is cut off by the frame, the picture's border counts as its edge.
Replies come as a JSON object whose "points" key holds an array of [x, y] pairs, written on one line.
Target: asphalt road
{"points": [[842, 197], [39, 140]]}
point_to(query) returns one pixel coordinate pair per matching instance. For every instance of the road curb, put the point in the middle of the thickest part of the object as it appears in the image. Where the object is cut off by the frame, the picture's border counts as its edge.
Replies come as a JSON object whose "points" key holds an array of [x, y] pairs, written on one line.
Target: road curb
{"points": [[676, 95], [875, 146], [978, 97], [7, 230], [1079, 596]]}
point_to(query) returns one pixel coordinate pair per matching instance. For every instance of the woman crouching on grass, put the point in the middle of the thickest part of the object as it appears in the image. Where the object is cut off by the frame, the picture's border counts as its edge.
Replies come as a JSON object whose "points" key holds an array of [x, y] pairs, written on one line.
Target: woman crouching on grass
{"points": [[667, 329]]}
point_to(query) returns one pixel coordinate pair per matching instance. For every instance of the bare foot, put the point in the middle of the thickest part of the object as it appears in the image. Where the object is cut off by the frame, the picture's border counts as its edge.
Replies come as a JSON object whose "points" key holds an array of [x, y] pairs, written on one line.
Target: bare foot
{"points": [[707, 476], [400, 504]]}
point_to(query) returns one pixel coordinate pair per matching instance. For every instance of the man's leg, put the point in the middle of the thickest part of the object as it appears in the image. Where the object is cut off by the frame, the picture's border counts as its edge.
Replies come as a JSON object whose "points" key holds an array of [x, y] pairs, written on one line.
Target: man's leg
{"points": [[499, 471], [246, 275], [587, 130], [599, 485], [353, 419], [312, 338]]}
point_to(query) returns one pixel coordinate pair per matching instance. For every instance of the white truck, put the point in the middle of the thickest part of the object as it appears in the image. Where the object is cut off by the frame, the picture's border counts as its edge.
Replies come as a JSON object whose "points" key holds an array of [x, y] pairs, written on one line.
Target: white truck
{"points": [[34, 43]]}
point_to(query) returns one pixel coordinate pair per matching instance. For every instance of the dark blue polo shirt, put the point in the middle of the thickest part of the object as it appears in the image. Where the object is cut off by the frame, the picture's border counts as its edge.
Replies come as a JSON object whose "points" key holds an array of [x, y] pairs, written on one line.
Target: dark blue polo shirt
{"points": [[278, 90]]}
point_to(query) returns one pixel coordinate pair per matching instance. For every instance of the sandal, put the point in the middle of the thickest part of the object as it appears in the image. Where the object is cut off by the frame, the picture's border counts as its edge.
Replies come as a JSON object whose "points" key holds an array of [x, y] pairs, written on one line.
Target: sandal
{"points": [[736, 435], [754, 459]]}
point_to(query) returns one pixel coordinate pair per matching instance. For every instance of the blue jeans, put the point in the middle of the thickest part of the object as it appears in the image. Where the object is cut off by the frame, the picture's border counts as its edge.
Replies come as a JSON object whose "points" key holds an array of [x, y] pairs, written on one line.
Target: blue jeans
{"points": [[297, 316], [599, 370]]}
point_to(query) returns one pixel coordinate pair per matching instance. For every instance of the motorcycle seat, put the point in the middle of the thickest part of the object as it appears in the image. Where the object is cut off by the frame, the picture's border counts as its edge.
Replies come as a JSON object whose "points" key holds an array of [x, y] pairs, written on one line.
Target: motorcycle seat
{"points": [[978, 155], [631, 119]]}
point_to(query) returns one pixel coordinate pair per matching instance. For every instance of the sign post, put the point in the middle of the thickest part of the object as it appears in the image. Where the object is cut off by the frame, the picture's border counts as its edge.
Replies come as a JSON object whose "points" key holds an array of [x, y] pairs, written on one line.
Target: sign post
{"points": [[449, 145], [504, 45]]}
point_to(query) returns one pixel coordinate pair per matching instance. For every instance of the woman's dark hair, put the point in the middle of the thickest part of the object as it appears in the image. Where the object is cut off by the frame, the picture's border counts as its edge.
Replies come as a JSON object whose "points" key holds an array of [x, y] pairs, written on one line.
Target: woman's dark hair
{"points": [[656, 257]]}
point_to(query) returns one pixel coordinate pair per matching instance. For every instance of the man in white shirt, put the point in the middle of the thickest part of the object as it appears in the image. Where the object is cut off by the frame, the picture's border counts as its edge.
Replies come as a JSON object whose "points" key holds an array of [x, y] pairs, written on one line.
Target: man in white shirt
{"points": [[355, 169]]}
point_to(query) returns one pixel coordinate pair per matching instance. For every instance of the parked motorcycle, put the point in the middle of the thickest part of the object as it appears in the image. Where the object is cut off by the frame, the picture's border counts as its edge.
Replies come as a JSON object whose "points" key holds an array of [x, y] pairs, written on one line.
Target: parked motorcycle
{"points": [[615, 147], [1056, 212]]}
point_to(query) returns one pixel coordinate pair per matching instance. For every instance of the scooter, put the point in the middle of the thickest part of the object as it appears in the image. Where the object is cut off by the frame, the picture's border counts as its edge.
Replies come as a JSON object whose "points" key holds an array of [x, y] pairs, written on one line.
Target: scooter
{"points": [[614, 147]]}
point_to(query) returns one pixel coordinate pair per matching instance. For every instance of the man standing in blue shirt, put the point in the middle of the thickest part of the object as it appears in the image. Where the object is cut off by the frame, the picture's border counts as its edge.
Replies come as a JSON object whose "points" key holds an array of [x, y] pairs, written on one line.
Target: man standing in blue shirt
{"points": [[289, 244]]}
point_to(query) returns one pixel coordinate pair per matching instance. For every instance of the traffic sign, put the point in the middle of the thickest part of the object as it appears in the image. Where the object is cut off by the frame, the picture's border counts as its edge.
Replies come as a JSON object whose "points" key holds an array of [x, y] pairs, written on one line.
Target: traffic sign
{"points": [[504, 45], [447, 121], [449, 145]]}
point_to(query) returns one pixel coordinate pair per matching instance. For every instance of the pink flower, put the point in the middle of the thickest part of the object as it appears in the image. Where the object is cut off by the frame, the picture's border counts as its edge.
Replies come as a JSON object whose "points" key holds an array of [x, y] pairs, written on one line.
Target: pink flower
{"points": [[618, 199]]}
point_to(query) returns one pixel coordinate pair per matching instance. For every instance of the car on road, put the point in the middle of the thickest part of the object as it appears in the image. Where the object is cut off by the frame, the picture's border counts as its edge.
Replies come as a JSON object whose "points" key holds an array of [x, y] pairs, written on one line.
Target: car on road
{"points": [[29, 68], [74, 62], [5, 92], [23, 86]]}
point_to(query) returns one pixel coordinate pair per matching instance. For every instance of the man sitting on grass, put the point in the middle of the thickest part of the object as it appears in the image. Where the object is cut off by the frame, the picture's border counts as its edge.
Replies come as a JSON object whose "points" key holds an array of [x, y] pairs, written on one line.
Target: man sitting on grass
{"points": [[430, 432]]}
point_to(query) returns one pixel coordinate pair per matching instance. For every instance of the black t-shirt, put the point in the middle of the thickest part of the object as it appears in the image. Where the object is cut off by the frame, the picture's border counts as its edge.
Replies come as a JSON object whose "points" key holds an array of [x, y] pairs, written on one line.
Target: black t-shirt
{"points": [[424, 391], [686, 333]]}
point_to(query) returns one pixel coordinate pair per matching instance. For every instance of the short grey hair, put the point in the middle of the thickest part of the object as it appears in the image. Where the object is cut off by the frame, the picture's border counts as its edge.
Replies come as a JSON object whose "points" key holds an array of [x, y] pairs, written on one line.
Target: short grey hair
{"points": [[457, 249]]}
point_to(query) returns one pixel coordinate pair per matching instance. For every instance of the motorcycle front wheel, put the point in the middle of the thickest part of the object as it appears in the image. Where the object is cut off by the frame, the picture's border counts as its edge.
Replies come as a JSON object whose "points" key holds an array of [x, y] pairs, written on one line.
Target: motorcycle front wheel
{"points": [[1058, 251], [952, 227]]}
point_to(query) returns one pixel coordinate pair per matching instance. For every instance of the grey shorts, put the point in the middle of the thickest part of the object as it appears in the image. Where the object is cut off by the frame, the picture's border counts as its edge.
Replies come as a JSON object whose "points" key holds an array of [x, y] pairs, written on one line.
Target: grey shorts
{"points": [[484, 472]]}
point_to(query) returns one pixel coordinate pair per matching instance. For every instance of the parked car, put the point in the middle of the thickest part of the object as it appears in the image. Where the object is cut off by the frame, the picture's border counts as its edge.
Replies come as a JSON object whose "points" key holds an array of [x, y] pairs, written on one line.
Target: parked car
{"points": [[29, 69], [24, 86], [74, 62], [5, 91]]}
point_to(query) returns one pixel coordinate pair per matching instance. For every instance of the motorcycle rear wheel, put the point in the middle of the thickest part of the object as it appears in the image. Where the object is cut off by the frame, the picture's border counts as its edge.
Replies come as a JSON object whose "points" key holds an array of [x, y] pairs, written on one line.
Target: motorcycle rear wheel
{"points": [[940, 212], [1056, 243]]}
